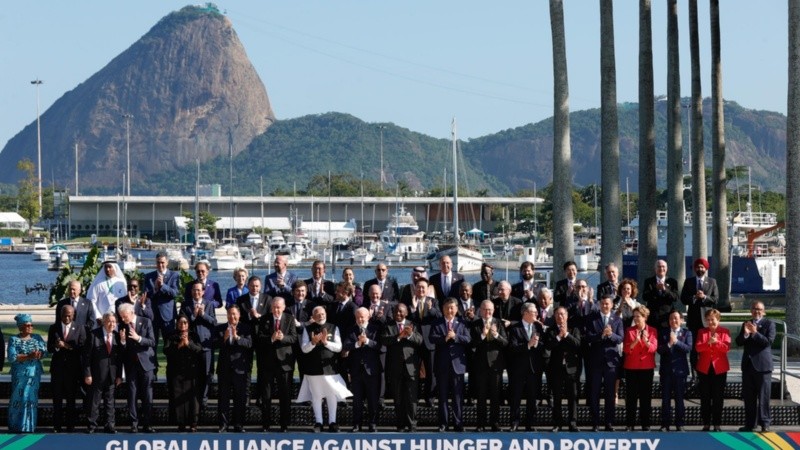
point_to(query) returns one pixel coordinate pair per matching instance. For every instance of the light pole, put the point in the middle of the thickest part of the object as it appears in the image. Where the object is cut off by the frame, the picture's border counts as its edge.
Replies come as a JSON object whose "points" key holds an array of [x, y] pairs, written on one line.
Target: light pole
{"points": [[37, 82], [381, 127], [128, 118]]}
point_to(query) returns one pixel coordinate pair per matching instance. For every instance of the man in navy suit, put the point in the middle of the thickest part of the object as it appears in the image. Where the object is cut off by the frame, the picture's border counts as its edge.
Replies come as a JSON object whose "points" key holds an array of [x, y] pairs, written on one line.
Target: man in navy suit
{"points": [[756, 336], [65, 342], [276, 335], [161, 287], [233, 370], [423, 312], [660, 295], [451, 338], [563, 370], [527, 289], [138, 342], [83, 308], [565, 292], [102, 370], [489, 340], [403, 342], [212, 294], [363, 359], [445, 283], [390, 291], [320, 290], [610, 286], [528, 358], [203, 320], [604, 334], [698, 294], [674, 343], [280, 282]]}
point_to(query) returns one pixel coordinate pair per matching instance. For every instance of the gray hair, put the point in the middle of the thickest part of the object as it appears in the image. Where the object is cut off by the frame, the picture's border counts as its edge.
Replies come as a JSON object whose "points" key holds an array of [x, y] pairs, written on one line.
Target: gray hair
{"points": [[125, 308]]}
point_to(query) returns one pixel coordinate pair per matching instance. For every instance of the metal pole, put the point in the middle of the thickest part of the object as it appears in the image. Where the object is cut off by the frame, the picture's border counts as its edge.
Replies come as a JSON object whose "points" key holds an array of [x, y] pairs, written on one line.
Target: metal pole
{"points": [[128, 118], [76, 168], [37, 82], [382, 177]]}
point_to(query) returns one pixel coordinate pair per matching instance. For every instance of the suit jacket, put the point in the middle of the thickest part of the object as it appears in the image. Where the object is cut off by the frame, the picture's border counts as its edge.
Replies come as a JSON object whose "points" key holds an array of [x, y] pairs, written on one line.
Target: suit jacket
{"points": [[564, 353], [140, 354], [66, 362], [526, 360], [694, 318], [211, 296], [462, 312], [643, 355], [84, 312], [606, 288], [391, 291], [424, 319], [758, 346], [345, 318], [510, 310], [245, 304], [485, 291], [163, 299], [603, 349], [203, 325], [97, 362], [234, 357], [716, 354], [562, 296], [579, 315], [451, 356], [277, 355], [271, 285], [145, 311], [300, 312], [455, 283], [402, 355], [327, 295], [518, 290], [489, 353], [673, 360], [383, 312], [660, 303], [366, 357]]}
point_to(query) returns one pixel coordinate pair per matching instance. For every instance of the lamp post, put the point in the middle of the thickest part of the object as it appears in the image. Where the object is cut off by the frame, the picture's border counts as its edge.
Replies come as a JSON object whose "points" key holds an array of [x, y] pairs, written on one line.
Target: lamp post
{"points": [[37, 82]]}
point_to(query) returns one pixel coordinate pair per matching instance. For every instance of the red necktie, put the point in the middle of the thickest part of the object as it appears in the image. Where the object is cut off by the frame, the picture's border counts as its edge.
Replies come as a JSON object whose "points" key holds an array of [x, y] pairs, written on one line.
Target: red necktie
{"points": [[399, 328], [108, 343], [278, 324], [449, 326]]}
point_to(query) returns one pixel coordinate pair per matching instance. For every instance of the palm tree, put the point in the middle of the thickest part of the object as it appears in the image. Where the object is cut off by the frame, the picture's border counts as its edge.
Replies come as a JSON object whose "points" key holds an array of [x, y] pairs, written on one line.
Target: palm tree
{"points": [[720, 252], [648, 237], [699, 233], [562, 173], [675, 207], [792, 159], [609, 143]]}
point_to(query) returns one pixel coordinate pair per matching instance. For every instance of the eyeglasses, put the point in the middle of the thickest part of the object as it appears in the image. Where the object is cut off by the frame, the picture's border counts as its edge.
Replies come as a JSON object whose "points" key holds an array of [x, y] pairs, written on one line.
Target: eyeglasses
{"points": [[757, 309]]}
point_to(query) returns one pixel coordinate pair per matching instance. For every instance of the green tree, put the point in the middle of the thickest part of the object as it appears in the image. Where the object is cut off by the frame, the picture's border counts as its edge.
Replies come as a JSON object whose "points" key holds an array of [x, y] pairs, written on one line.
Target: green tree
{"points": [[207, 221], [27, 195]]}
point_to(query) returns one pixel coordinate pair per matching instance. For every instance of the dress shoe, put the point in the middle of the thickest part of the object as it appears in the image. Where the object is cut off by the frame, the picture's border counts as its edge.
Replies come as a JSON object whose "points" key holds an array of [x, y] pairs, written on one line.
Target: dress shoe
{"points": [[706, 428], [193, 429], [765, 429], [109, 430], [496, 429], [628, 428], [480, 429], [595, 429], [744, 429], [400, 429], [238, 429], [679, 428], [556, 429], [265, 429], [530, 428], [134, 429], [645, 428], [284, 429], [90, 430], [149, 429], [573, 429], [412, 429], [514, 427], [333, 428], [458, 428], [222, 429], [317, 428], [717, 428], [608, 428], [663, 429], [372, 428], [429, 403], [442, 428], [355, 429], [57, 430]]}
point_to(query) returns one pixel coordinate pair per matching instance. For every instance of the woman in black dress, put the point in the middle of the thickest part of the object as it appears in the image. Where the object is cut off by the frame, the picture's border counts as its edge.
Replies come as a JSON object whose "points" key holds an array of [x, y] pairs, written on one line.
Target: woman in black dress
{"points": [[183, 366]]}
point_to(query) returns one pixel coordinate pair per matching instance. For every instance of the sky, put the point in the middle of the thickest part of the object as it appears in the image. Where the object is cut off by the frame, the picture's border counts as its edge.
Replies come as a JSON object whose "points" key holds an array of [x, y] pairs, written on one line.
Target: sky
{"points": [[414, 63]]}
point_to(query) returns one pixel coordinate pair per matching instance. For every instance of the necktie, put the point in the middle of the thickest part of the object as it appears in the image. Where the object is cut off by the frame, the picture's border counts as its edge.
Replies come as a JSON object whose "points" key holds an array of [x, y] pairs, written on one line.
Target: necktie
{"points": [[605, 321], [66, 331], [108, 343], [529, 330], [341, 306], [381, 285], [278, 323], [699, 284], [449, 326], [230, 335], [446, 285], [399, 328], [544, 314]]}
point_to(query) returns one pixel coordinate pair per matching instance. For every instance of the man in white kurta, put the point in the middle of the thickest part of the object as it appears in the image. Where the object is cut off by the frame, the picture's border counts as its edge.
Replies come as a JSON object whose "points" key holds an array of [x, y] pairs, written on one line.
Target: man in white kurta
{"points": [[107, 287]]}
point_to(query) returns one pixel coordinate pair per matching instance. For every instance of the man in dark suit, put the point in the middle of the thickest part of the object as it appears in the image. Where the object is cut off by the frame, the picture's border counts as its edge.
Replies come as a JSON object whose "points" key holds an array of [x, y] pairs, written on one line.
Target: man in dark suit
{"points": [[142, 306], [380, 310], [233, 370], [389, 289], [484, 289], [276, 334], [403, 342], [445, 283], [609, 287], [254, 303], [161, 287], [506, 307], [342, 312], [604, 333], [566, 292], [564, 368], [527, 354], [363, 348], [698, 294], [300, 308], [212, 294], [466, 304], [660, 295], [203, 321], [83, 308], [423, 312], [527, 289], [102, 370], [756, 336], [451, 338], [488, 337], [138, 344], [674, 343], [280, 282], [320, 290], [65, 342]]}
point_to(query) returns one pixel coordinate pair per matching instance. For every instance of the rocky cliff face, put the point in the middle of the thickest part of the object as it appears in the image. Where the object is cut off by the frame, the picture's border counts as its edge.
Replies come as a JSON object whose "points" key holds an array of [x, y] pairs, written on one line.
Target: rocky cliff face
{"points": [[191, 91]]}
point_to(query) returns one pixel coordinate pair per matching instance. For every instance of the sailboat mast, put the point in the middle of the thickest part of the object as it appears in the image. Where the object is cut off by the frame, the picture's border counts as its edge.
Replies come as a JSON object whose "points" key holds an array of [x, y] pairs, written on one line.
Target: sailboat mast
{"points": [[455, 183]]}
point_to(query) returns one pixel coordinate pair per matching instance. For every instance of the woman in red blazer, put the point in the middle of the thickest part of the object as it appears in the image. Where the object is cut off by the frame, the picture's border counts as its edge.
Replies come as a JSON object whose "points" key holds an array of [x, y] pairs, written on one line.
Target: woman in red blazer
{"points": [[639, 346], [712, 344]]}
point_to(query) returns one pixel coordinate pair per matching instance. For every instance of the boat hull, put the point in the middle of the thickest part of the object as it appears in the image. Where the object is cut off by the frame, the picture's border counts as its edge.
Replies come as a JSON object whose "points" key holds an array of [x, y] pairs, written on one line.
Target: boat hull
{"points": [[464, 260]]}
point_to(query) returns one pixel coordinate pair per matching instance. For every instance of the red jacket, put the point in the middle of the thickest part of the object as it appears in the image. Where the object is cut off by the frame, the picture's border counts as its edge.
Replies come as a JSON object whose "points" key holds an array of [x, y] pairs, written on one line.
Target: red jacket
{"points": [[713, 354], [642, 355]]}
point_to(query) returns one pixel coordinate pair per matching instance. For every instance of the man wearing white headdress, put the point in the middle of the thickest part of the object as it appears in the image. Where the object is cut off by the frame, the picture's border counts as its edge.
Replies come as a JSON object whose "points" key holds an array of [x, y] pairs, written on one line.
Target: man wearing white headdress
{"points": [[106, 288]]}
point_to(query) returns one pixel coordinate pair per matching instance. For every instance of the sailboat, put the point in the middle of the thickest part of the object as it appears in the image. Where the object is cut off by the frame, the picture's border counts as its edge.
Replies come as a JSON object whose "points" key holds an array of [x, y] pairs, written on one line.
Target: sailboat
{"points": [[464, 259]]}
